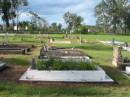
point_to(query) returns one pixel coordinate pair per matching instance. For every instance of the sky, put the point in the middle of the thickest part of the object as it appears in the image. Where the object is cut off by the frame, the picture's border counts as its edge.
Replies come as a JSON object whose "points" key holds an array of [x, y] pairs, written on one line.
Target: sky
{"points": [[53, 10]]}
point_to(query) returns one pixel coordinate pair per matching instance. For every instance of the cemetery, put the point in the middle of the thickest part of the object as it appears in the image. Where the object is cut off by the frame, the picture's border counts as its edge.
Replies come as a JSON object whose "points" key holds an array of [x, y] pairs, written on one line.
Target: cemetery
{"points": [[65, 48], [67, 63]]}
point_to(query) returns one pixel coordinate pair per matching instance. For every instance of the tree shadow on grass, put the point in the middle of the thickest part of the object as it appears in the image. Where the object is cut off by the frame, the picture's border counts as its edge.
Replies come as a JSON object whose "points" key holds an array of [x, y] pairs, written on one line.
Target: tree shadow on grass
{"points": [[117, 76]]}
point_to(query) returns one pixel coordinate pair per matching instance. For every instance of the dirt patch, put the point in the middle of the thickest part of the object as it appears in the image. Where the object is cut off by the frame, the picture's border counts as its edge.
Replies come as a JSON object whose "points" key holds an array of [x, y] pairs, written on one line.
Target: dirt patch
{"points": [[12, 73]]}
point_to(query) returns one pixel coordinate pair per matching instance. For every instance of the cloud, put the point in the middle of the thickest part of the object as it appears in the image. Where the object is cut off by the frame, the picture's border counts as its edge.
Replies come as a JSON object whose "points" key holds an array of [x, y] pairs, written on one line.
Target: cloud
{"points": [[53, 10]]}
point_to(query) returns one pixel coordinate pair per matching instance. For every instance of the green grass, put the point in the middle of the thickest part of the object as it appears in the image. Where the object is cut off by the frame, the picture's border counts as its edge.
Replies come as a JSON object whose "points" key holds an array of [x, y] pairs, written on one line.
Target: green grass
{"points": [[57, 64], [24, 90], [100, 54]]}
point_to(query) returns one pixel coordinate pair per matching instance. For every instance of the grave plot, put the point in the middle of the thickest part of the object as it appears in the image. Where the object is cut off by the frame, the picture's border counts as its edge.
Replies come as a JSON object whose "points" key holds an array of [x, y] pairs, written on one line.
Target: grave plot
{"points": [[70, 70], [125, 67], [63, 54], [123, 64], [51, 41], [124, 45], [112, 43], [16, 49]]}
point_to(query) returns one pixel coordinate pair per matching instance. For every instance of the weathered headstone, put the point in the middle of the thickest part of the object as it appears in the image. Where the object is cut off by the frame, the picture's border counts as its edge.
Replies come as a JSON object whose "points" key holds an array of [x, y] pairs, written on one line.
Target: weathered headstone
{"points": [[117, 56], [33, 63]]}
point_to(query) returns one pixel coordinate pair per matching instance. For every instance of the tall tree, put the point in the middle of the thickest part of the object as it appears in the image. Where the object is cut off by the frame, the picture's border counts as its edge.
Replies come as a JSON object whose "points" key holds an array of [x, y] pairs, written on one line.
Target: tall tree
{"points": [[73, 21], [8, 9], [56, 28], [112, 15], [5, 11]]}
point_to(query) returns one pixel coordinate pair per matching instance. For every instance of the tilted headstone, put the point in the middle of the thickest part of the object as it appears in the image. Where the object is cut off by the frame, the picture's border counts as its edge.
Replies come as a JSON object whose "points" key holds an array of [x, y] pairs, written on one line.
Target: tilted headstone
{"points": [[117, 56], [33, 63]]}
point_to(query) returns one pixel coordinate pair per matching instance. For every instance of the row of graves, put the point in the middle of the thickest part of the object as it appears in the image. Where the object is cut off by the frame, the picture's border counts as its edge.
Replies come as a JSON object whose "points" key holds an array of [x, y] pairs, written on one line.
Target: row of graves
{"points": [[6, 48], [68, 39], [64, 65]]}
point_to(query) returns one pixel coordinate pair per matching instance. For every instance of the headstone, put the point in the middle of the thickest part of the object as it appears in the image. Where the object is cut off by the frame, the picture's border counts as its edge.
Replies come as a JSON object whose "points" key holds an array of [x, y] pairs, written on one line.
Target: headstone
{"points": [[45, 48], [117, 56], [126, 44], [33, 63], [5, 39], [113, 41]]}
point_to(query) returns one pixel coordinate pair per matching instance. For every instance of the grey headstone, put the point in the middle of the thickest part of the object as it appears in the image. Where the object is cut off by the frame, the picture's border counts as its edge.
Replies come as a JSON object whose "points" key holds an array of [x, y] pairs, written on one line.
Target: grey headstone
{"points": [[33, 63]]}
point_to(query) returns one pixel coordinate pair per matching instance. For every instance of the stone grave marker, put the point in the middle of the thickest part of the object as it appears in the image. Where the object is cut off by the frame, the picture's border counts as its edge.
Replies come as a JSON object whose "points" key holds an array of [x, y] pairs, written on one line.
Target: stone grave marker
{"points": [[33, 63], [117, 56]]}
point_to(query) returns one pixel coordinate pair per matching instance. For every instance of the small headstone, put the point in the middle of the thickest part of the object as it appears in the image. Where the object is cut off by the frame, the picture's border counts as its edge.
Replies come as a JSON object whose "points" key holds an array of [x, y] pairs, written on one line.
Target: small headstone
{"points": [[126, 44], [5, 39], [51, 40], [33, 63], [113, 41], [117, 56]]}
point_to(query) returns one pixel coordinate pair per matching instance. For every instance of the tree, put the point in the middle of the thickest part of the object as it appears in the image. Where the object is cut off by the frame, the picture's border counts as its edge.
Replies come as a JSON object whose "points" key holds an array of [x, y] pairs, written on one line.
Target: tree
{"points": [[73, 21], [5, 11], [112, 15], [38, 23], [56, 28], [8, 9]]}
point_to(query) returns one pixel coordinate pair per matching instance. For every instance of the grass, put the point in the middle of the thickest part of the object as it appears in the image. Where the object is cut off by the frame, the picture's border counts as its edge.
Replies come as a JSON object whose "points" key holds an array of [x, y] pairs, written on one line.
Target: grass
{"points": [[55, 64], [100, 53]]}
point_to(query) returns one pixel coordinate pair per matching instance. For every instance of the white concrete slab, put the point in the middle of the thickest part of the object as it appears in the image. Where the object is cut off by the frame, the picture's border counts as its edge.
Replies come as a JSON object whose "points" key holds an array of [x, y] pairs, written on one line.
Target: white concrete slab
{"points": [[126, 48], [61, 42], [66, 76], [111, 42], [76, 58], [128, 69]]}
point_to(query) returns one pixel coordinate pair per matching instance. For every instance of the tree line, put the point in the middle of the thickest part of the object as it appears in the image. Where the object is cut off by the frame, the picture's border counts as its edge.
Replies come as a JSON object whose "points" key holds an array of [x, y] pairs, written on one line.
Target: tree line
{"points": [[113, 16]]}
